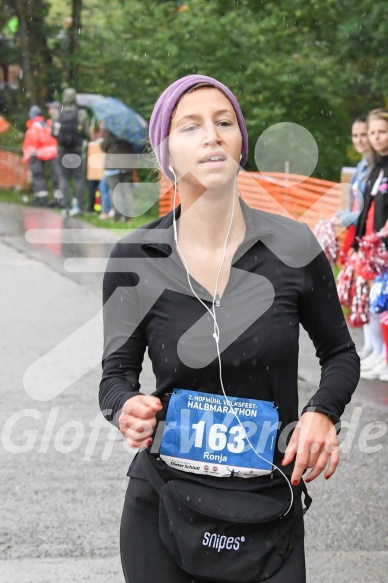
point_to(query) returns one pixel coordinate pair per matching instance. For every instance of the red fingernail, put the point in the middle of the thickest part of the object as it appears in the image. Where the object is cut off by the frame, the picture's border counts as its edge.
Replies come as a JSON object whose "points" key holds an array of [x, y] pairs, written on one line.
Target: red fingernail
{"points": [[149, 441], [307, 480], [294, 482], [327, 477]]}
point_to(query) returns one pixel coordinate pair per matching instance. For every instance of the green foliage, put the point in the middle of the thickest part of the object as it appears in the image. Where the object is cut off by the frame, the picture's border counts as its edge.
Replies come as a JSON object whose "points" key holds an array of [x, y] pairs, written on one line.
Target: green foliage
{"points": [[362, 41], [318, 63], [268, 56]]}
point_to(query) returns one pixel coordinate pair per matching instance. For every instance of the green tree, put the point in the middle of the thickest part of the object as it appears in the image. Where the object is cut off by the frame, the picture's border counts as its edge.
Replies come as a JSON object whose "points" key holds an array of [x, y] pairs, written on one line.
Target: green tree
{"points": [[273, 62], [362, 50], [318, 63], [36, 57]]}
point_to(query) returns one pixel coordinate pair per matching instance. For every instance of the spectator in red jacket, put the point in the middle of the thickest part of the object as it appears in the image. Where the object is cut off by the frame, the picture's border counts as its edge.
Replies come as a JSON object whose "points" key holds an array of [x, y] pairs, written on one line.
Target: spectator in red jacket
{"points": [[40, 149]]}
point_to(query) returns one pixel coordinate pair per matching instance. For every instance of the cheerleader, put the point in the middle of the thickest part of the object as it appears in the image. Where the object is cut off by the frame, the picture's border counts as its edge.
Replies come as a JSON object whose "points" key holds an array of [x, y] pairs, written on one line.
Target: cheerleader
{"points": [[373, 218]]}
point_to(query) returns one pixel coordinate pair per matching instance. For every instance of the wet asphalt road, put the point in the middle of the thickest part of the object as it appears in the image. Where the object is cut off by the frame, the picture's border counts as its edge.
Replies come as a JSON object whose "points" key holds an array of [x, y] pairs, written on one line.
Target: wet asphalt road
{"points": [[63, 469]]}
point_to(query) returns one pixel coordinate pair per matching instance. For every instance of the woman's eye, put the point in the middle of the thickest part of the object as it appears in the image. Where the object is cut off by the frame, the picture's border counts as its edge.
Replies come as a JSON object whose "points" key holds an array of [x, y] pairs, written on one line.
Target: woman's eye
{"points": [[190, 128], [224, 123]]}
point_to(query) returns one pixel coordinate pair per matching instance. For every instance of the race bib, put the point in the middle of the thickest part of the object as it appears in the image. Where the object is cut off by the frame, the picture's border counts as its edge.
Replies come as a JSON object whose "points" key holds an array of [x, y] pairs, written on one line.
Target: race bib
{"points": [[202, 435]]}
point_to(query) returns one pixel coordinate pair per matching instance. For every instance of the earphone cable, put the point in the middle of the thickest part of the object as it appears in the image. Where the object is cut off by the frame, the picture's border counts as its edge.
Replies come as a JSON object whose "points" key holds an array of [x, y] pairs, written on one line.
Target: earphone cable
{"points": [[216, 330]]}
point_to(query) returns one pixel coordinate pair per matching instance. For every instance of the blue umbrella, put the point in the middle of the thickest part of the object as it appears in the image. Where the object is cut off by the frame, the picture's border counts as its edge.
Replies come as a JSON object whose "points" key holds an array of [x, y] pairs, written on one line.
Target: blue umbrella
{"points": [[121, 120], [87, 99]]}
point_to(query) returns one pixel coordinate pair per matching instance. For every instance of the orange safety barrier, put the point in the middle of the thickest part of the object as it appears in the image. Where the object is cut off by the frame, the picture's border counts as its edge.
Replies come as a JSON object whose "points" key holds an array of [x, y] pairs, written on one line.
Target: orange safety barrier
{"points": [[292, 195], [13, 172], [4, 125]]}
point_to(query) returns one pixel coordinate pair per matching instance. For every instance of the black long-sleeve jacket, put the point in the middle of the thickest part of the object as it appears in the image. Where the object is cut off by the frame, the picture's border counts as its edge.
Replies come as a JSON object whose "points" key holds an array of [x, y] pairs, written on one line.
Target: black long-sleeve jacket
{"points": [[280, 278], [380, 215]]}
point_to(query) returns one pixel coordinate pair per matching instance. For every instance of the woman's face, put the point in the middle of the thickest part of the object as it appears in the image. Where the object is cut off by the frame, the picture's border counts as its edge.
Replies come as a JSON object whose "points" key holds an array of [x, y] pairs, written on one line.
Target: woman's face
{"points": [[378, 135], [360, 137], [205, 139]]}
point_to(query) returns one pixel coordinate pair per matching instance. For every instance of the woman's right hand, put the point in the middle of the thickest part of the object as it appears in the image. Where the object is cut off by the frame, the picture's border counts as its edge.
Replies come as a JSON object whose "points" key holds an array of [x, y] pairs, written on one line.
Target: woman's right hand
{"points": [[138, 419]]}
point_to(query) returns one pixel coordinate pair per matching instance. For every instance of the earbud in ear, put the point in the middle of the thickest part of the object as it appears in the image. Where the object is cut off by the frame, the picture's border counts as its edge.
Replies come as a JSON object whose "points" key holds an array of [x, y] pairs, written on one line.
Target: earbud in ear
{"points": [[240, 157], [171, 169]]}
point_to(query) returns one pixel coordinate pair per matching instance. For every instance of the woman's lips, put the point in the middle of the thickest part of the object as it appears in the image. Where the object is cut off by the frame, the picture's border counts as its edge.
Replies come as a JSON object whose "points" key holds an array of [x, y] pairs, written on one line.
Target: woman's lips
{"points": [[213, 162], [217, 156]]}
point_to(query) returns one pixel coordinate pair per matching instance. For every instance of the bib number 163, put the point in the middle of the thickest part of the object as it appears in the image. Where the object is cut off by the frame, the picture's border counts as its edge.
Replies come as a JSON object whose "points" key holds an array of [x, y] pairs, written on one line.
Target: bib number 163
{"points": [[220, 436]]}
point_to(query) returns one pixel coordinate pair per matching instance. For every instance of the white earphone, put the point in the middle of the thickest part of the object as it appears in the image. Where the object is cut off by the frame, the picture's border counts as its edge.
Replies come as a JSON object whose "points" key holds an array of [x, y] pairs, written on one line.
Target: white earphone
{"points": [[213, 315]]}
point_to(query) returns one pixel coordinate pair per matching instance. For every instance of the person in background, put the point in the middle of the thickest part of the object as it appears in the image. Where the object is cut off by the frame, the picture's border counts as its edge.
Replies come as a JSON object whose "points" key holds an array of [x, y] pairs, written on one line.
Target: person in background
{"points": [[101, 185], [53, 108], [374, 218], [94, 174], [106, 199], [71, 129], [119, 178], [348, 218], [39, 149]]}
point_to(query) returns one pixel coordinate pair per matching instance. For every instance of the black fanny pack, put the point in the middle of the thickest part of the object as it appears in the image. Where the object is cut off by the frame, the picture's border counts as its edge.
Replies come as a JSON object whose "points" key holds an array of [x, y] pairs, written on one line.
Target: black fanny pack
{"points": [[224, 535]]}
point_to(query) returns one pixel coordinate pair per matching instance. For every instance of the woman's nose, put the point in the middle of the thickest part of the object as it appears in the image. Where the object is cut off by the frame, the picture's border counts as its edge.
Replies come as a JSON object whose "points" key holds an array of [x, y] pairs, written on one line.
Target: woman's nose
{"points": [[211, 134]]}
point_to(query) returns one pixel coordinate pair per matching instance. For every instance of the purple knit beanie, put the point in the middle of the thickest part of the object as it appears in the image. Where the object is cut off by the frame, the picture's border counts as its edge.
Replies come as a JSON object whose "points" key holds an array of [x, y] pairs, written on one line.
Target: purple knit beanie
{"points": [[159, 126]]}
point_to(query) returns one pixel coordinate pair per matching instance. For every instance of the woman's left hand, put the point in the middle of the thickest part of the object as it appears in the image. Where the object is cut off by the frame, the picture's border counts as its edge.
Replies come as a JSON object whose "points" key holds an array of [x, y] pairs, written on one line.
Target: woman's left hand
{"points": [[314, 442]]}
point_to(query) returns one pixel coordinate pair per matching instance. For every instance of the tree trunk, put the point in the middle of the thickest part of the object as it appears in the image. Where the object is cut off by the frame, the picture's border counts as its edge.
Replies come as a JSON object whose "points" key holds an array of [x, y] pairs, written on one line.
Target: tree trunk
{"points": [[23, 12], [36, 57], [75, 31]]}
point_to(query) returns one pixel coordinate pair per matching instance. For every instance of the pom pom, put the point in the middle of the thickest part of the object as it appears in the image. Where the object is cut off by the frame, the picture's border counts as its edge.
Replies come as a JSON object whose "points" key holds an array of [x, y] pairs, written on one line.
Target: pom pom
{"points": [[372, 256], [359, 309], [325, 234], [345, 283]]}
